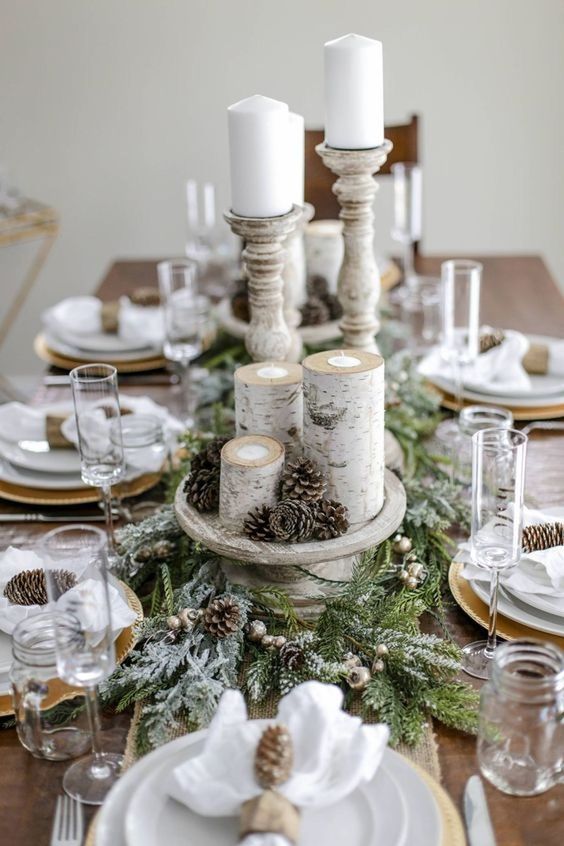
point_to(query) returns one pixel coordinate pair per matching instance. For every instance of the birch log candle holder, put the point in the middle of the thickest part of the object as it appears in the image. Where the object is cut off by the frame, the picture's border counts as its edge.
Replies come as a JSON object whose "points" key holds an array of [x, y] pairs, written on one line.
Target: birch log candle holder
{"points": [[344, 427], [294, 274], [251, 468], [359, 278], [269, 401], [268, 337]]}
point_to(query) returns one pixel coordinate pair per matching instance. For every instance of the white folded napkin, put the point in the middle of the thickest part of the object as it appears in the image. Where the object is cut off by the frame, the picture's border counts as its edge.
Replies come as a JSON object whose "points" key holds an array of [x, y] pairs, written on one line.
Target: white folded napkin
{"points": [[14, 560], [75, 317], [20, 422], [499, 367], [333, 754], [556, 358], [537, 572]]}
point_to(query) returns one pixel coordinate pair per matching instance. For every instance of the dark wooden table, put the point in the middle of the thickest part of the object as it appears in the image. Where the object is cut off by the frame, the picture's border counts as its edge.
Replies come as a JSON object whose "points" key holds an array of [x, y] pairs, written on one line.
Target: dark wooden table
{"points": [[519, 293]]}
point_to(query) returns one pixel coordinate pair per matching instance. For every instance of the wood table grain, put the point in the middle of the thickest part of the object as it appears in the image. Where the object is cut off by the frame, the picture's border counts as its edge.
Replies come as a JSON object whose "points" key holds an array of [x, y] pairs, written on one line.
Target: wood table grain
{"points": [[518, 293]]}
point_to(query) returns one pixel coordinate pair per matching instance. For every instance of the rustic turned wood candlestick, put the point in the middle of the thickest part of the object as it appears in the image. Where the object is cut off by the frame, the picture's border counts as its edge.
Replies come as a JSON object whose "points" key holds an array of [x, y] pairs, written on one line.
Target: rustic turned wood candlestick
{"points": [[269, 401], [251, 469], [359, 278], [294, 274], [268, 337]]}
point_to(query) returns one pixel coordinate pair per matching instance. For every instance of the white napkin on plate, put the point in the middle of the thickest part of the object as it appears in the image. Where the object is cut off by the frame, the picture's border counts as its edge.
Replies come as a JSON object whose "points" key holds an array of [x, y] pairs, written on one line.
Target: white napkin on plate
{"points": [[333, 754], [20, 422], [499, 367], [556, 358], [14, 560], [537, 572], [76, 316]]}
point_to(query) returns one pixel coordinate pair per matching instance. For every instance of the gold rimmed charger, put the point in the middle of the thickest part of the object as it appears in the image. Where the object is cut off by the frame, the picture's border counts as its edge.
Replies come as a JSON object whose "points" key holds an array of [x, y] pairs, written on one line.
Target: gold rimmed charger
{"points": [[519, 412], [76, 496], [479, 612], [58, 690], [137, 365]]}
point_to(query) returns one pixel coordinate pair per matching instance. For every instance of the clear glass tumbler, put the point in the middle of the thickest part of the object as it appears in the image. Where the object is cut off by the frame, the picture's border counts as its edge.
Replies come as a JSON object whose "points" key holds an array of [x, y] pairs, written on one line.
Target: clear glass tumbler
{"points": [[473, 418], [521, 732]]}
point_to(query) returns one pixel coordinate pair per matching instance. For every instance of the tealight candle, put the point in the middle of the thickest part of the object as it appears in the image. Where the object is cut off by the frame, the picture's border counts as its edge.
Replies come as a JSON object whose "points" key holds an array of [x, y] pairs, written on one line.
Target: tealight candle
{"points": [[343, 360], [251, 452], [271, 371], [250, 473], [269, 401]]}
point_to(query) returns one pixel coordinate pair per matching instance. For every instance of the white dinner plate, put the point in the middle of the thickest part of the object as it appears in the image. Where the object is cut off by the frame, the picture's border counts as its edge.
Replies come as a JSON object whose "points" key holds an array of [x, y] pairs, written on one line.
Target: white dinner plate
{"points": [[36, 479], [71, 351], [36, 455], [103, 342], [479, 397], [5, 659], [553, 605], [424, 826], [514, 609]]}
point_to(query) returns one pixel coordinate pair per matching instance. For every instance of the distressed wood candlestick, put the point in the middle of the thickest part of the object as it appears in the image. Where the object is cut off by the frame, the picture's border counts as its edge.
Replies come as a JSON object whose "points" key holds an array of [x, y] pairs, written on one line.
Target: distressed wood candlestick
{"points": [[268, 337], [344, 427], [294, 274], [269, 401], [251, 468], [359, 279]]}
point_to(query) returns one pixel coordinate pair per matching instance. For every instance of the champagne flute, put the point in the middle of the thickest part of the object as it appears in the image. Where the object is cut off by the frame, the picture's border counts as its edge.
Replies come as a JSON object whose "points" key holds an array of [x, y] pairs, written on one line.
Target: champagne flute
{"points": [[98, 422], [498, 485]]}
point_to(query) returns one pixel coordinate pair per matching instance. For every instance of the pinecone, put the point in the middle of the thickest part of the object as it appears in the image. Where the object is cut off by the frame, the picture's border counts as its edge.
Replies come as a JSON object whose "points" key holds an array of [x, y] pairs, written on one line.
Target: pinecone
{"points": [[543, 536], [29, 588], [302, 480], [334, 306], [318, 286], [489, 340], [240, 305], [292, 655], [292, 520], [145, 296], [221, 617], [256, 525], [314, 312], [331, 520], [213, 450], [202, 489], [163, 549], [274, 757]]}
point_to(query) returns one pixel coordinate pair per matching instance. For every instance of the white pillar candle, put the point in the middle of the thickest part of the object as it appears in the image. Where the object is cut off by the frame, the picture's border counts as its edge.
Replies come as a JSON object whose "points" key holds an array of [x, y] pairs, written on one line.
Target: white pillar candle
{"points": [[259, 152], [269, 401], [297, 157], [250, 473], [354, 93]]}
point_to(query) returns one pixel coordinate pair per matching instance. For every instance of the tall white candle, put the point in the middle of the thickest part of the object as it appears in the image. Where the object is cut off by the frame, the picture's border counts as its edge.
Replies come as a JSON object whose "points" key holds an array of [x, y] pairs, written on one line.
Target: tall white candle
{"points": [[297, 157], [259, 152], [354, 93]]}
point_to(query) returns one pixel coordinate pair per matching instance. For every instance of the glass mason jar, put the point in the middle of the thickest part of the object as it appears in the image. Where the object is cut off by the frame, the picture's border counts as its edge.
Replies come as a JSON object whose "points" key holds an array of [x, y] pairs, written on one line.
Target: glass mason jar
{"points": [[51, 721], [521, 732], [471, 420]]}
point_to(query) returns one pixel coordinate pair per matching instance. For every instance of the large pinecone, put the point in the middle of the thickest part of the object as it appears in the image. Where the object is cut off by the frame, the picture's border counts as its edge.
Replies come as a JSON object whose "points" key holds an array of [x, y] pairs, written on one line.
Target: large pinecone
{"points": [[292, 520], [489, 340], [29, 588], [202, 489], [314, 312], [331, 520], [221, 617], [274, 757], [209, 457], [543, 536], [318, 286], [257, 525], [145, 296], [303, 480], [292, 655]]}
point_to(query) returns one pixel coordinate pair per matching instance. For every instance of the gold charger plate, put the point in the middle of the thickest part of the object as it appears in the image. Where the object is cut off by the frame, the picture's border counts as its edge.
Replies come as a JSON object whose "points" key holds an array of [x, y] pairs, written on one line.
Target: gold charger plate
{"points": [[45, 353], [478, 611], [452, 827], [519, 412], [59, 691], [76, 496]]}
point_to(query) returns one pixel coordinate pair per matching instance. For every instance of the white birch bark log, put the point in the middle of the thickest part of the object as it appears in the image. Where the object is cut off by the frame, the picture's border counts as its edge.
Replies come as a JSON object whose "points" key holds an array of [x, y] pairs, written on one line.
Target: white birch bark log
{"points": [[344, 428], [251, 468], [270, 406]]}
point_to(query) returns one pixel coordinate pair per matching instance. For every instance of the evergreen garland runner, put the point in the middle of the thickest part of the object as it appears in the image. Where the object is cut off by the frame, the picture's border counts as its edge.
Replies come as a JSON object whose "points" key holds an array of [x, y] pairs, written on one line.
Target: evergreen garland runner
{"points": [[182, 673]]}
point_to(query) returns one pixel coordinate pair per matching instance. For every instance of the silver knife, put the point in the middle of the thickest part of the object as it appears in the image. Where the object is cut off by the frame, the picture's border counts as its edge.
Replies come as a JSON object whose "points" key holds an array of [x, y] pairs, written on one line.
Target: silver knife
{"points": [[51, 518], [478, 820]]}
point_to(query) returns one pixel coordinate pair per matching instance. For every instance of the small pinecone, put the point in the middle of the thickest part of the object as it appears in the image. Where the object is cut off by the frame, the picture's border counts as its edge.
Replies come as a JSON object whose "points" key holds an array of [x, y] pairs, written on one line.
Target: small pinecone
{"points": [[543, 536], [145, 296], [318, 286], [292, 655], [334, 306], [331, 520], [274, 757], [163, 549], [489, 340], [240, 306], [292, 520], [29, 588], [314, 312], [202, 489], [302, 480], [257, 526], [221, 617], [213, 450]]}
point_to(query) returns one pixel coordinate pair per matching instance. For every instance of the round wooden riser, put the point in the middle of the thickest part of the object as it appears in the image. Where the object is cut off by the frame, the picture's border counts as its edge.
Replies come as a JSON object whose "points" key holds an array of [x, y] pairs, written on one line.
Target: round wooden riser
{"points": [[256, 563]]}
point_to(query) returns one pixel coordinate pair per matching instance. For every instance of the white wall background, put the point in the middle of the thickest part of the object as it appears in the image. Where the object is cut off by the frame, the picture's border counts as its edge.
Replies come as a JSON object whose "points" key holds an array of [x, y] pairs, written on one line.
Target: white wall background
{"points": [[107, 106]]}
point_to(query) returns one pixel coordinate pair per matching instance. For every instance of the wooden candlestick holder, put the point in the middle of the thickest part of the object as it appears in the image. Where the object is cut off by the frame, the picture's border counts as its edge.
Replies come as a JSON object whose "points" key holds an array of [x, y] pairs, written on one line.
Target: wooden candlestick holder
{"points": [[294, 274], [268, 337], [359, 279]]}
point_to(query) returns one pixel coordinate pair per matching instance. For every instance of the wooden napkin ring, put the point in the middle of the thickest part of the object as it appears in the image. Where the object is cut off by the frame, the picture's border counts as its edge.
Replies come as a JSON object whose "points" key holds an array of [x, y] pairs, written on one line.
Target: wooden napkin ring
{"points": [[270, 813], [536, 359], [53, 432], [110, 317]]}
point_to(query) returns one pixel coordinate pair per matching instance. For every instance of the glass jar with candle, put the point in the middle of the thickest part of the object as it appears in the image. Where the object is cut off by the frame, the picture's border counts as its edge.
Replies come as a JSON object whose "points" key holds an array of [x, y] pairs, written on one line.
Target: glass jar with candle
{"points": [[50, 717], [521, 733]]}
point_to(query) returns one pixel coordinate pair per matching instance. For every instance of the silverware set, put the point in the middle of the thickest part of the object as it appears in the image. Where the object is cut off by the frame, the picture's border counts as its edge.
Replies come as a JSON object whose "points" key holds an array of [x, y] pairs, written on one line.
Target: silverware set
{"points": [[68, 825], [477, 815]]}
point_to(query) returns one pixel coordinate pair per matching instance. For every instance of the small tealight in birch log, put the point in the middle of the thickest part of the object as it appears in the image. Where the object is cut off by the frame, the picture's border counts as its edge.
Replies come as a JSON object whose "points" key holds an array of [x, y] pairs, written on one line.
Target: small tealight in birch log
{"points": [[251, 468], [344, 427], [269, 401]]}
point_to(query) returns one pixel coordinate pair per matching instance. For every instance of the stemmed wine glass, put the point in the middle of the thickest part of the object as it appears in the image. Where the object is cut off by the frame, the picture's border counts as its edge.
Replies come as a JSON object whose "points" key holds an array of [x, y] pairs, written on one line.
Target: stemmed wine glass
{"points": [[187, 322], [98, 422], [77, 581], [408, 211], [498, 485]]}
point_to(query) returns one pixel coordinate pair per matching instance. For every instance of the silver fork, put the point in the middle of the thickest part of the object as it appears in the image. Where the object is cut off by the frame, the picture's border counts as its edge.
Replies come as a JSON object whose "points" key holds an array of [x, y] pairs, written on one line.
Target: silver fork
{"points": [[549, 425], [68, 825]]}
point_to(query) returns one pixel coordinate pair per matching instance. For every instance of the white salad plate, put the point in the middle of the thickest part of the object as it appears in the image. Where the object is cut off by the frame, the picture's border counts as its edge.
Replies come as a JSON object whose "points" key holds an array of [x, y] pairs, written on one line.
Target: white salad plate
{"points": [[37, 456], [553, 605], [514, 609], [57, 345]]}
